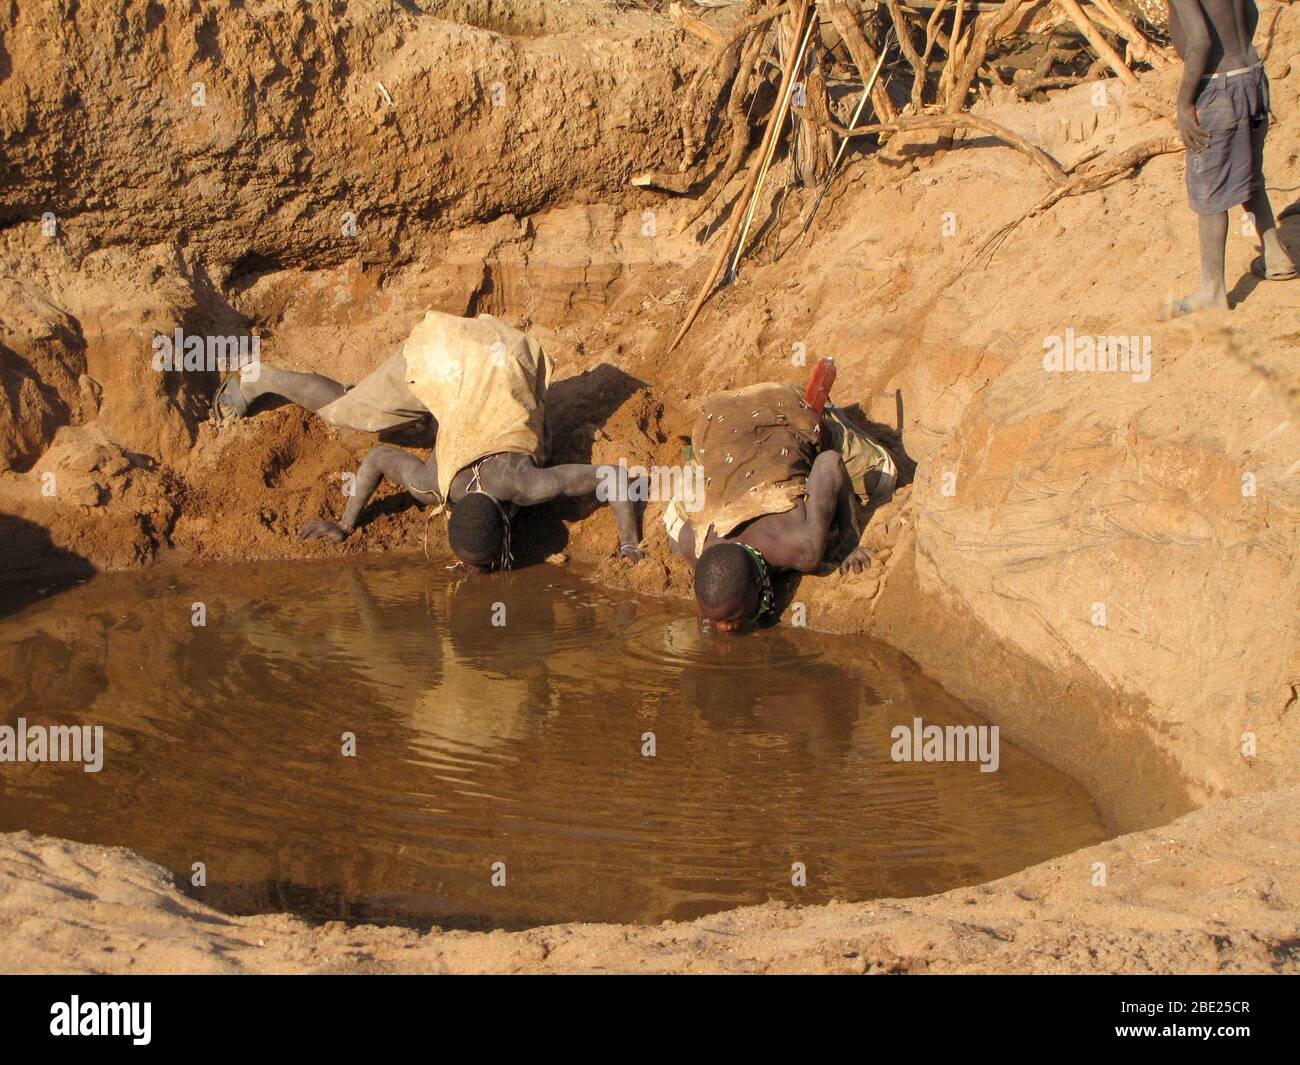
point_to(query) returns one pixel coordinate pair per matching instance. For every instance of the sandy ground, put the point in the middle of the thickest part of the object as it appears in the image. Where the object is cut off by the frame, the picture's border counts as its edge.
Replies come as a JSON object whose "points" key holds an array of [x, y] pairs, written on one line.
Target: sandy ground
{"points": [[1217, 891], [1068, 491]]}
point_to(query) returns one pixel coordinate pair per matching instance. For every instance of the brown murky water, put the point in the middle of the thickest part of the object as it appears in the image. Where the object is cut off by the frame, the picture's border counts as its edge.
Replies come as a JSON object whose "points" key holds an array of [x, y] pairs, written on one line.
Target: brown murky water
{"points": [[479, 743]]}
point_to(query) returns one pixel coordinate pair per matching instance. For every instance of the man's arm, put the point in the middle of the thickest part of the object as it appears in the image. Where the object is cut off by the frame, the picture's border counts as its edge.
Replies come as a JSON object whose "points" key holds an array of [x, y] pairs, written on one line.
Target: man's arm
{"points": [[798, 539], [1192, 40], [527, 485], [684, 544], [400, 467]]}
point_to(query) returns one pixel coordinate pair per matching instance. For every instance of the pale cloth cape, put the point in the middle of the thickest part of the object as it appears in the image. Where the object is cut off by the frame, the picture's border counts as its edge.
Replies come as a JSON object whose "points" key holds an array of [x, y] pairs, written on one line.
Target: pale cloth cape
{"points": [[485, 385]]}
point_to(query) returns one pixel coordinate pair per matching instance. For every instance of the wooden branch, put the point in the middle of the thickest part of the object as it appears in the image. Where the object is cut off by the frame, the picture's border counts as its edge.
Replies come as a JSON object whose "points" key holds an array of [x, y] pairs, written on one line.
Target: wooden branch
{"points": [[798, 45], [1026, 87], [931, 32], [1122, 163], [739, 126], [956, 20], [864, 56], [750, 22], [1143, 50], [1099, 43], [1041, 159], [903, 30], [696, 27], [979, 41], [806, 11], [1160, 108]]}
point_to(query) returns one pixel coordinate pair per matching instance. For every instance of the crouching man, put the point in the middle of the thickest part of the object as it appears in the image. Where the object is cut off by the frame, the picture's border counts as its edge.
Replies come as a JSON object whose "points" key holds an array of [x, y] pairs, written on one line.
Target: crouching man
{"points": [[778, 481], [484, 383]]}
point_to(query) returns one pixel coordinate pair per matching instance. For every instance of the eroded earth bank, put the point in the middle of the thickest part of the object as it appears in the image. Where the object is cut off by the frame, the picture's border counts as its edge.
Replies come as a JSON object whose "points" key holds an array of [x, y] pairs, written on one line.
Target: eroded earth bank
{"points": [[353, 165]]}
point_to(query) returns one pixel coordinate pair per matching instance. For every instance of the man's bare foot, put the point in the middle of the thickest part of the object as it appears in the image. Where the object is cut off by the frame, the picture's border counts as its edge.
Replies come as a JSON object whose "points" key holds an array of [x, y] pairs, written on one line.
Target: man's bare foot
{"points": [[230, 401], [631, 551], [324, 530], [1200, 300], [1275, 264]]}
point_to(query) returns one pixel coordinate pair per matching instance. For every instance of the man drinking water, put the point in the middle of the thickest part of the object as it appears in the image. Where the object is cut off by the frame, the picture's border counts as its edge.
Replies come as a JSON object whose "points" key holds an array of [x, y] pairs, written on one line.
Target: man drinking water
{"points": [[782, 480], [484, 383]]}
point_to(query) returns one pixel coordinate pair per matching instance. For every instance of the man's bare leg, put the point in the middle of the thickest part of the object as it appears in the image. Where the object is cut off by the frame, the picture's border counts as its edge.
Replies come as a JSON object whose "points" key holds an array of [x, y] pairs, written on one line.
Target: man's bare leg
{"points": [[310, 390], [1277, 262], [1213, 292]]}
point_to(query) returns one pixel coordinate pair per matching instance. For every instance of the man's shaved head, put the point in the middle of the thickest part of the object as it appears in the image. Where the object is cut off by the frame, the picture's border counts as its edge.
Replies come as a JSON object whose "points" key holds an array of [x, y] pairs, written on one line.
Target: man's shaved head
{"points": [[727, 588], [477, 530]]}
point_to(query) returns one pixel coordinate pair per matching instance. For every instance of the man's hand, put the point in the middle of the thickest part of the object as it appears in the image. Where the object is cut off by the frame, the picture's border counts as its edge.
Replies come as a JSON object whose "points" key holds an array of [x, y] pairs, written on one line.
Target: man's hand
{"points": [[324, 530], [1195, 138], [857, 562]]}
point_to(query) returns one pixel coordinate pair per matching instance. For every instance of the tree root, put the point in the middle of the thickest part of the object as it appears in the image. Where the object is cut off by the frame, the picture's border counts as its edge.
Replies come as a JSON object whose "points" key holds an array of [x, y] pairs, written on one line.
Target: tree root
{"points": [[739, 128], [806, 11], [1119, 165], [1042, 160]]}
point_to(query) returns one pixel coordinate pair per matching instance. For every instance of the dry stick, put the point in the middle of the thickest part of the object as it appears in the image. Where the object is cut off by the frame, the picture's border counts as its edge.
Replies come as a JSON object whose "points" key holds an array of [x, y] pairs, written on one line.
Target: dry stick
{"points": [[739, 127], [864, 56], [956, 20], [1128, 160], [932, 32], [1143, 50], [983, 33], [681, 181], [689, 147], [1028, 86], [1099, 43], [844, 143], [903, 31], [787, 83], [695, 117], [957, 49], [771, 148], [696, 26], [1045, 162], [815, 146]]}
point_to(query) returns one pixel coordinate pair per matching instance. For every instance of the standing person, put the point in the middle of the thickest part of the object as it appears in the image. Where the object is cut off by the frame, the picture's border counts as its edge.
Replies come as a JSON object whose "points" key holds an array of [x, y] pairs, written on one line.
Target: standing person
{"points": [[1223, 113]]}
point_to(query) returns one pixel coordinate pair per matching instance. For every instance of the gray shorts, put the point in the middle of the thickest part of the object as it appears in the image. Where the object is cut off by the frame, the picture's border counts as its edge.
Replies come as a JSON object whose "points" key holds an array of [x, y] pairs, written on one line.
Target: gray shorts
{"points": [[1233, 111], [382, 400]]}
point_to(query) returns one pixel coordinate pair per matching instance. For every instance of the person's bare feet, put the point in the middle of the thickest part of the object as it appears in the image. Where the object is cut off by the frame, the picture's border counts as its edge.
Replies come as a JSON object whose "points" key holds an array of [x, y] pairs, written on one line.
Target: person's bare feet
{"points": [[1200, 300], [1278, 265]]}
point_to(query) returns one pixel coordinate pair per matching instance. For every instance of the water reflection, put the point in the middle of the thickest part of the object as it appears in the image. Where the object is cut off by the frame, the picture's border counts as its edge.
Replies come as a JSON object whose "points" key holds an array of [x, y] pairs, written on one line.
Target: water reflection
{"points": [[497, 720]]}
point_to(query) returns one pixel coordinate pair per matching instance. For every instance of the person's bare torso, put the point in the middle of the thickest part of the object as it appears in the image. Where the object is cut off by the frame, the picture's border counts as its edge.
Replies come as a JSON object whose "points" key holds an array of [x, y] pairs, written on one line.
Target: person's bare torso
{"points": [[1231, 24]]}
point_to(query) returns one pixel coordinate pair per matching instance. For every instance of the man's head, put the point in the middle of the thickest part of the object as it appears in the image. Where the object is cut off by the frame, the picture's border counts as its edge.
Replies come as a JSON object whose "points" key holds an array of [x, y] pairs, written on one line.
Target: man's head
{"points": [[729, 587], [479, 532]]}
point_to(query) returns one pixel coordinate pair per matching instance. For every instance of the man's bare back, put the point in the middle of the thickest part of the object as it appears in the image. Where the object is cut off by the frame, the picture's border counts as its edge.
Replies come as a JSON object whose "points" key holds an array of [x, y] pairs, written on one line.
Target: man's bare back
{"points": [[1230, 25]]}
